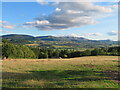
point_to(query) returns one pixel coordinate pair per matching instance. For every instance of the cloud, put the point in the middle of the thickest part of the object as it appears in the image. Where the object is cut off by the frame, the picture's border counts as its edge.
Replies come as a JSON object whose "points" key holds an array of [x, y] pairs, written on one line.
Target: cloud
{"points": [[70, 35], [58, 9], [81, 35], [7, 25], [3, 31], [57, 1], [43, 22], [114, 6], [113, 33], [42, 2], [70, 15], [74, 35], [93, 34]]}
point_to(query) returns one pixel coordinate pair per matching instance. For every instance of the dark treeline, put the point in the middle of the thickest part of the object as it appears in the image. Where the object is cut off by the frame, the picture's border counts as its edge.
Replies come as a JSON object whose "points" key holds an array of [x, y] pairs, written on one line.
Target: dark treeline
{"points": [[10, 50]]}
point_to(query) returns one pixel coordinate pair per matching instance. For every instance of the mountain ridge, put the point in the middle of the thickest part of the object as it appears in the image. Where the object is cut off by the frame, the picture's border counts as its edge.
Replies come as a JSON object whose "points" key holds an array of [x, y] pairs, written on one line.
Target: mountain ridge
{"points": [[8, 35], [57, 42]]}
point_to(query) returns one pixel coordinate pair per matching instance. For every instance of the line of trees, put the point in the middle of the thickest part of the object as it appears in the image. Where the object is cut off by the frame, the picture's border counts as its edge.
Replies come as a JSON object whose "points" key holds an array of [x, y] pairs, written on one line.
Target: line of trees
{"points": [[10, 50]]}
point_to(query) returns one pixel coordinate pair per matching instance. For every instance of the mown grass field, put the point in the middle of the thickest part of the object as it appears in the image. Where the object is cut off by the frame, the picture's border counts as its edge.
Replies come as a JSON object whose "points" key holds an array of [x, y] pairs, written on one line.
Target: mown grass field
{"points": [[83, 72]]}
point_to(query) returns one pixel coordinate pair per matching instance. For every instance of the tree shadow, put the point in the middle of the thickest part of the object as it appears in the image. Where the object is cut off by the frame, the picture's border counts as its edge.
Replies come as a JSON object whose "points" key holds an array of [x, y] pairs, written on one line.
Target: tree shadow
{"points": [[55, 75], [84, 75]]}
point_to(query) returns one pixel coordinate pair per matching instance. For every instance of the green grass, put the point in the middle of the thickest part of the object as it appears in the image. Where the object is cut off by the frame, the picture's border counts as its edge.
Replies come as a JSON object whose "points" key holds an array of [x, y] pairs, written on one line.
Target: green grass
{"points": [[84, 72]]}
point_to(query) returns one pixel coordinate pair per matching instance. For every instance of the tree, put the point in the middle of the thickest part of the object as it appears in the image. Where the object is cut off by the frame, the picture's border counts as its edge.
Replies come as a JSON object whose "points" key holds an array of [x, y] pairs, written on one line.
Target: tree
{"points": [[10, 50], [43, 55], [86, 53], [36, 51], [95, 52], [55, 54], [65, 56], [50, 53]]}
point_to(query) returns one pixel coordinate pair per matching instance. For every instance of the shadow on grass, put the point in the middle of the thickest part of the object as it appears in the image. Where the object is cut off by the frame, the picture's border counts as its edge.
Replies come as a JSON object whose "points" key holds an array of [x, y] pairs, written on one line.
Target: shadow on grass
{"points": [[54, 75], [79, 75], [67, 74]]}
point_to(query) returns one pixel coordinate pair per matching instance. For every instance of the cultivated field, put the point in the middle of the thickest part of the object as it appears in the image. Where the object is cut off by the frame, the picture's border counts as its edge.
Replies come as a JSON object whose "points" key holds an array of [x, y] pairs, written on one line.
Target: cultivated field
{"points": [[83, 72]]}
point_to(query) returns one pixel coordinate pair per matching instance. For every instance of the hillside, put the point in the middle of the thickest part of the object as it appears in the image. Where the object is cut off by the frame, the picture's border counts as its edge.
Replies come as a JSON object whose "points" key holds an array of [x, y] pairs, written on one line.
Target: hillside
{"points": [[58, 42]]}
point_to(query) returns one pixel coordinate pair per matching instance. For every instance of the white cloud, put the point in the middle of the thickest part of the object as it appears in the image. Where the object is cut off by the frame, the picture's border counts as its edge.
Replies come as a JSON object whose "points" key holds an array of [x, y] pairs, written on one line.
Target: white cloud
{"points": [[74, 35], [7, 25], [70, 15], [93, 34], [3, 31], [58, 9], [115, 6], [42, 22], [83, 35], [81, 1], [74, 12], [113, 33], [42, 2], [70, 35]]}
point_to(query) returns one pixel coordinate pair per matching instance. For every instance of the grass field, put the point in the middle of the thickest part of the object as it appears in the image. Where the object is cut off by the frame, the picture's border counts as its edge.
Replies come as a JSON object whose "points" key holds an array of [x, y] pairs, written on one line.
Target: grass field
{"points": [[83, 72]]}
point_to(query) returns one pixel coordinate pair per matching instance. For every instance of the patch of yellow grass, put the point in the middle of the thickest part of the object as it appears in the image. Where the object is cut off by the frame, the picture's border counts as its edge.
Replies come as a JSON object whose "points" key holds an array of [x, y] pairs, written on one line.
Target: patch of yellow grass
{"points": [[30, 64], [34, 82], [30, 69], [32, 44]]}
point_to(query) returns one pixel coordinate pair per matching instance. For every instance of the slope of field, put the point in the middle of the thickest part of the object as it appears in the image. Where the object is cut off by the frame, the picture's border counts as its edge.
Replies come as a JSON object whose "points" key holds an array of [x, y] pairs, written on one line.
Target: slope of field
{"points": [[84, 72]]}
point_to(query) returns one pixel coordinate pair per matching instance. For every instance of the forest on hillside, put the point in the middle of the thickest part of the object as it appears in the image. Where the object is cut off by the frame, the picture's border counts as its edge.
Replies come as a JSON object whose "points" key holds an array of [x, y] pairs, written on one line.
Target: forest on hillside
{"points": [[10, 50]]}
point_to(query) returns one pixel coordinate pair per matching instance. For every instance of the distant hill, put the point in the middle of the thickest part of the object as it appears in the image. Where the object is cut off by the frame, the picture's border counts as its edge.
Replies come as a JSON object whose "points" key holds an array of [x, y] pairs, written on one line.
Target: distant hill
{"points": [[16, 36], [58, 42]]}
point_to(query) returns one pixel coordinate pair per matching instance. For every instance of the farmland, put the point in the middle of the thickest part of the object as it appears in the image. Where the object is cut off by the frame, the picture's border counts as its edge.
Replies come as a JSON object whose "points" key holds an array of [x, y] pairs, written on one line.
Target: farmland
{"points": [[82, 72]]}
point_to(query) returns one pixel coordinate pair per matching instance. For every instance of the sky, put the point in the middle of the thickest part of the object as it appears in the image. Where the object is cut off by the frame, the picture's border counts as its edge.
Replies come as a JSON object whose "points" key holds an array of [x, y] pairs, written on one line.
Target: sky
{"points": [[91, 20]]}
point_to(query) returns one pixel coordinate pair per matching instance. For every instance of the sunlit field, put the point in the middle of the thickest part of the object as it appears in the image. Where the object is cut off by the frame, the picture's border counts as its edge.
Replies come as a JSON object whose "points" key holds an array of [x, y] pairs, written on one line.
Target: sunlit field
{"points": [[83, 72]]}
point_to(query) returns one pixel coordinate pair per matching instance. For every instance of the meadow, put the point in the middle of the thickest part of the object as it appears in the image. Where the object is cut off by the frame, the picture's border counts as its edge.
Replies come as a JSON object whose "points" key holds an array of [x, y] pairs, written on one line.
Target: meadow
{"points": [[82, 72]]}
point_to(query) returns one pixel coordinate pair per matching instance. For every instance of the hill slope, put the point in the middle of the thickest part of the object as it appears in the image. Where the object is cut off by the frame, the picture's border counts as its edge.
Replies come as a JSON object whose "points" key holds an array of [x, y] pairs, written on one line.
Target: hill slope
{"points": [[58, 42]]}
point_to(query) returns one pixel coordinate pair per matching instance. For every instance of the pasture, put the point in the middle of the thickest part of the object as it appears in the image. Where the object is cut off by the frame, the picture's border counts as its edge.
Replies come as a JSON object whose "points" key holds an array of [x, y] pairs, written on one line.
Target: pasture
{"points": [[82, 72]]}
